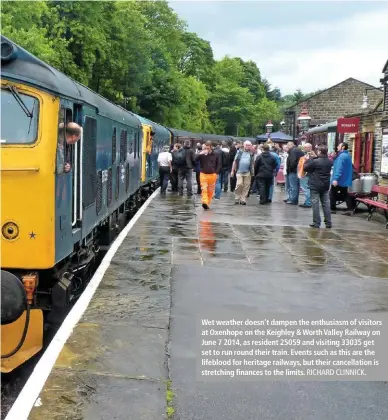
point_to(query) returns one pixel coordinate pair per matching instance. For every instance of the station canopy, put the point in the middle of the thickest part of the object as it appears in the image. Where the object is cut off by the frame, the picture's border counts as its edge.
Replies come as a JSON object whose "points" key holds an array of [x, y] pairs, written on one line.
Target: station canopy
{"points": [[277, 137]]}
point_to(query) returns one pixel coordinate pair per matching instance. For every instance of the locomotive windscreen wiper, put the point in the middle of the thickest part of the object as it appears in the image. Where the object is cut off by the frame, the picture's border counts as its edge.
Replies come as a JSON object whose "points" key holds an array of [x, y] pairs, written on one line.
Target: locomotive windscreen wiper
{"points": [[19, 100]]}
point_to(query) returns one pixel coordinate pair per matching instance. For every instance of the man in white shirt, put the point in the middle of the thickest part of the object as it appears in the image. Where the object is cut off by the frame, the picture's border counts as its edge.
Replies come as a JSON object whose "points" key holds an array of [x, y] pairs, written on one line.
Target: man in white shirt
{"points": [[165, 168]]}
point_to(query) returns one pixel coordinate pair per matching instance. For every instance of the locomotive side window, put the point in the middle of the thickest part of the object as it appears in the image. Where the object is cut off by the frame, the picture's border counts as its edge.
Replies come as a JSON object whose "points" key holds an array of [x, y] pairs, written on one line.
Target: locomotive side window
{"points": [[19, 117], [134, 147], [129, 142], [114, 145], [123, 146]]}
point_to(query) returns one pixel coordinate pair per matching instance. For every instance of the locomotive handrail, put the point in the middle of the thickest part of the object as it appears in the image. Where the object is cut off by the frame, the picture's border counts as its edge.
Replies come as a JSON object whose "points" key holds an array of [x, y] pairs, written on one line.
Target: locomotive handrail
{"points": [[20, 169]]}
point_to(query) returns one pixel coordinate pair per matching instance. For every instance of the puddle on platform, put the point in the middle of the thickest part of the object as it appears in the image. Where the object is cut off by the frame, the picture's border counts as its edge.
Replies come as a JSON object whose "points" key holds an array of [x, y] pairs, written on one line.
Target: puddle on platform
{"points": [[372, 269]]}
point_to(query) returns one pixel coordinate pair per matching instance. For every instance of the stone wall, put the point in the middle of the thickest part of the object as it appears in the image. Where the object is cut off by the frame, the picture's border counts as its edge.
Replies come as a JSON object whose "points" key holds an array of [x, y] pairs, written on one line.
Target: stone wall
{"points": [[339, 100]]}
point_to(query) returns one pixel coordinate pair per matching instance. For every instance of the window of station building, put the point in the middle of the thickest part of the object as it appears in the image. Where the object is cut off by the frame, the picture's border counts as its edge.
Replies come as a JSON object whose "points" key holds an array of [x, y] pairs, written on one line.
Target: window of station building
{"points": [[19, 117]]}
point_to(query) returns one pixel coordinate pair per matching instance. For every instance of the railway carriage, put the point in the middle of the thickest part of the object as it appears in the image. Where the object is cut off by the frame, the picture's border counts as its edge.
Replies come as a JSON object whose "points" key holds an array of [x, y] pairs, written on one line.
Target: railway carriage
{"points": [[54, 222]]}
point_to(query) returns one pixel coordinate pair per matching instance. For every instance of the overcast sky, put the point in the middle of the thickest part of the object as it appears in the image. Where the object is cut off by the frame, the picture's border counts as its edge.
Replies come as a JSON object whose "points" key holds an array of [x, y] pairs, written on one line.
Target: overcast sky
{"points": [[306, 45]]}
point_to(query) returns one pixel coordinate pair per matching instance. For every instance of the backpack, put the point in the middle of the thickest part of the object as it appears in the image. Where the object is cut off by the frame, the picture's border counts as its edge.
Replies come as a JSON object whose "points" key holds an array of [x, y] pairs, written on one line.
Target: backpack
{"points": [[180, 157]]}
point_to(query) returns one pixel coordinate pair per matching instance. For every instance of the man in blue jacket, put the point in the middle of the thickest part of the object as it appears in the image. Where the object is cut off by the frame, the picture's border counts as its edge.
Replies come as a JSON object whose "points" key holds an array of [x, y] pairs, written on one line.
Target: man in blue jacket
{"points": [[341, 178]]}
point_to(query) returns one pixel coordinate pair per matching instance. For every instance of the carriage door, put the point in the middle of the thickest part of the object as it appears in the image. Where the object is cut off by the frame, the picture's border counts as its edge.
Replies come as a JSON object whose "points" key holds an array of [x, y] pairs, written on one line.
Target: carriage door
{"points": [[77, 172]]}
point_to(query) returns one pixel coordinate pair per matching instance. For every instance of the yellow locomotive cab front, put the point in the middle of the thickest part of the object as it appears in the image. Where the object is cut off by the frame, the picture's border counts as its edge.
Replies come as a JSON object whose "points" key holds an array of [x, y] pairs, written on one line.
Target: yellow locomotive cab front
{"points": [[28, 142]]}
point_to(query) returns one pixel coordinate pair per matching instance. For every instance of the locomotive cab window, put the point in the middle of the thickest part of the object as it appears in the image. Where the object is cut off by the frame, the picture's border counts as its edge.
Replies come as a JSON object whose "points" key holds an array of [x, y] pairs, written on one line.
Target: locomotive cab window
{"points": [[65, 151], [19, 117]]}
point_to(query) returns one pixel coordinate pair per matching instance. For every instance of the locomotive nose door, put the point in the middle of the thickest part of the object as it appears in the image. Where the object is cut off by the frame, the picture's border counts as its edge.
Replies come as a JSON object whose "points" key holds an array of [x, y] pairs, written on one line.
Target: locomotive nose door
{"points": [[69, 174]]}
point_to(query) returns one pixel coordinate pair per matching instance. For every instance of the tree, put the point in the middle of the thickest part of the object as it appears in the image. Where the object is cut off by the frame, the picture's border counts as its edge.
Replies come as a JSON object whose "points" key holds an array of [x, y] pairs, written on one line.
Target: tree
{"points": [[197, 59], [142, 51]]}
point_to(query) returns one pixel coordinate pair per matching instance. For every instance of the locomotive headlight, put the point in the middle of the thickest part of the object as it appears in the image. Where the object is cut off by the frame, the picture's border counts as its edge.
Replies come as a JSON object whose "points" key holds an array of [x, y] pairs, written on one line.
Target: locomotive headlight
{"points": [[10, 231]]}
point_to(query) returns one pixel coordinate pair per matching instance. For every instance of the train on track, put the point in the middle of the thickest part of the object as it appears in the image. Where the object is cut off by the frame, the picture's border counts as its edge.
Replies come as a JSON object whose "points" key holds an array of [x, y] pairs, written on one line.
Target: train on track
{"points": [[62, 201]]}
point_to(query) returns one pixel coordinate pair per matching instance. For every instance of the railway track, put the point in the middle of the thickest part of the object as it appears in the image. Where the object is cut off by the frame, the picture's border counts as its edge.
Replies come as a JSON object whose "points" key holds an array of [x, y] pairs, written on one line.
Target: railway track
{"points": [[12, 383]]}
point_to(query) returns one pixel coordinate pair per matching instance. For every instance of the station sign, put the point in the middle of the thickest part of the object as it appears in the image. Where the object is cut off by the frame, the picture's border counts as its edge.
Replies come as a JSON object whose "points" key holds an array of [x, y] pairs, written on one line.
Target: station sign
{"points": [[348, 125]]}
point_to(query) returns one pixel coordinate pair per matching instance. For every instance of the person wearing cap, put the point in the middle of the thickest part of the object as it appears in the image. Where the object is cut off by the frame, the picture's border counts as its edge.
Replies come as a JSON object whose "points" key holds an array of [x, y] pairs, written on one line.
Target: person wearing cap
{"points": [[243, 167], [165, 168]]}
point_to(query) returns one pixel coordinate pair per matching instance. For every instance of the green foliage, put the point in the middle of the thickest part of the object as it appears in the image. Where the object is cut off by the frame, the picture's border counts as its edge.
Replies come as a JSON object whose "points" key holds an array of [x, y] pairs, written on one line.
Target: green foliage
{"points": [[140, 53]]}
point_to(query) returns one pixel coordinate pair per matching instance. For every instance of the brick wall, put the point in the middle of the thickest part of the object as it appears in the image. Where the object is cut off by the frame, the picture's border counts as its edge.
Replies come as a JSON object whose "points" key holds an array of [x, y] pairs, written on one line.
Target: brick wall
{"points": [[377, 145], [342, 99]]}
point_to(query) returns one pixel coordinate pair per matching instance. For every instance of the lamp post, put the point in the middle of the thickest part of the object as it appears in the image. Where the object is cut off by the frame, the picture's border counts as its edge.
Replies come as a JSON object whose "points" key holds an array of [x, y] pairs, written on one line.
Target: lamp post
{"points": [[365, 99], [290, 117], [269, 127], [304, 119]]}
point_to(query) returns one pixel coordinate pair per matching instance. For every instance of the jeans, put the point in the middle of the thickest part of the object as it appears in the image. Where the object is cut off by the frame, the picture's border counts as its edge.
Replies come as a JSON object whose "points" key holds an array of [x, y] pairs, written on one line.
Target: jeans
{"points": [[164, 172], [287, 187], [293, 181], [185, 174], [174, 180], [222, 181], [271, 189], [305, 185], [323, 197], [264, 187], [197, 177]]}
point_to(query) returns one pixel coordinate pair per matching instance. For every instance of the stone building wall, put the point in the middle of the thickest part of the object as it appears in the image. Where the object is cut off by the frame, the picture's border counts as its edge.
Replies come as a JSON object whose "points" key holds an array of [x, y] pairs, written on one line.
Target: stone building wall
{"points": [[339, 100]]}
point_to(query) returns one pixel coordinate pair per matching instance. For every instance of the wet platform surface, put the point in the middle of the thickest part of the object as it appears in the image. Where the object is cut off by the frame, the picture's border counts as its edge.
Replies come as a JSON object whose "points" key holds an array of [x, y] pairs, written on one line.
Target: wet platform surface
{"points": [[179, 260]]}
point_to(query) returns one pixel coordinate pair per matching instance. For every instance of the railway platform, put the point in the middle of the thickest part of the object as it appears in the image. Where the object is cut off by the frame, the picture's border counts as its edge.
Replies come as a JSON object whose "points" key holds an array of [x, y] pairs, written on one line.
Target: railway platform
{"points": [[132, 355]]}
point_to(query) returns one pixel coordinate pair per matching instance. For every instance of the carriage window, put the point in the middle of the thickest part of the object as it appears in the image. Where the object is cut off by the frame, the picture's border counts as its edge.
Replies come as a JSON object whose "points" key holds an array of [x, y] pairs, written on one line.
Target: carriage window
{"points": [[19, 117]]}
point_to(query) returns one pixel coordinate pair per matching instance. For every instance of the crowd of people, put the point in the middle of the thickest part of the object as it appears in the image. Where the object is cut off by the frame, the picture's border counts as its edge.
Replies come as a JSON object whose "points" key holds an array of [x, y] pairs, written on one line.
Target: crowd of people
{"points": [[247, 169]]}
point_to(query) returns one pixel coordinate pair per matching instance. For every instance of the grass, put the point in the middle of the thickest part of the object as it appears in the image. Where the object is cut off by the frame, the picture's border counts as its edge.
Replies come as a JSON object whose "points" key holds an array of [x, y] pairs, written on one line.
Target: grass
{"points": [[169, 401]]}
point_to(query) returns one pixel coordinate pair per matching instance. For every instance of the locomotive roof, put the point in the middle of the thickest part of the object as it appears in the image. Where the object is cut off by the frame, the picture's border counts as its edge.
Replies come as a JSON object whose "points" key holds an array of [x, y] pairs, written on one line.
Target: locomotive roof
{"points": [[162, 133], [21, 66]]}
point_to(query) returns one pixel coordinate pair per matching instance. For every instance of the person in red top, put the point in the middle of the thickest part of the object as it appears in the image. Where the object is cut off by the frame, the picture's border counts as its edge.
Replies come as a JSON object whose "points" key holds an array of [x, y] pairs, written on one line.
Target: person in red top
{"points": [[210, 166]]}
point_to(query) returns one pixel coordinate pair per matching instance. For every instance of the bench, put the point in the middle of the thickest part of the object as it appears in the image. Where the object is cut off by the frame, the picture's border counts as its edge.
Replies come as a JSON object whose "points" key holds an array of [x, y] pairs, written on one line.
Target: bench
{"points": [[374, 203]]}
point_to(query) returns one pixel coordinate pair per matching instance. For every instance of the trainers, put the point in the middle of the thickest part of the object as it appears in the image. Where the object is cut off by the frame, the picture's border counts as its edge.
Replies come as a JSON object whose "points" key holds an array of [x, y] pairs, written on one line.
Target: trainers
{"points": [[312, 225], [243, 203], [205, 206], [236, 201], [305, 206]]}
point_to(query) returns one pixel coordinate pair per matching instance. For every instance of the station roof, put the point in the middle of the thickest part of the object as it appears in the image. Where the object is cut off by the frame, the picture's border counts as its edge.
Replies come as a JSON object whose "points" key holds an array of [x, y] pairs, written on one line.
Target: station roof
{"points": [[331, 126]]}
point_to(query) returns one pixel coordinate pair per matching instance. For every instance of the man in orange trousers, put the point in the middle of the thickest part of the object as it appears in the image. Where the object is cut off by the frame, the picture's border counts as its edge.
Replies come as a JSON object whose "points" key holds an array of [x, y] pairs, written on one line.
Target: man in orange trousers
{"points": [[210, 166]]}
